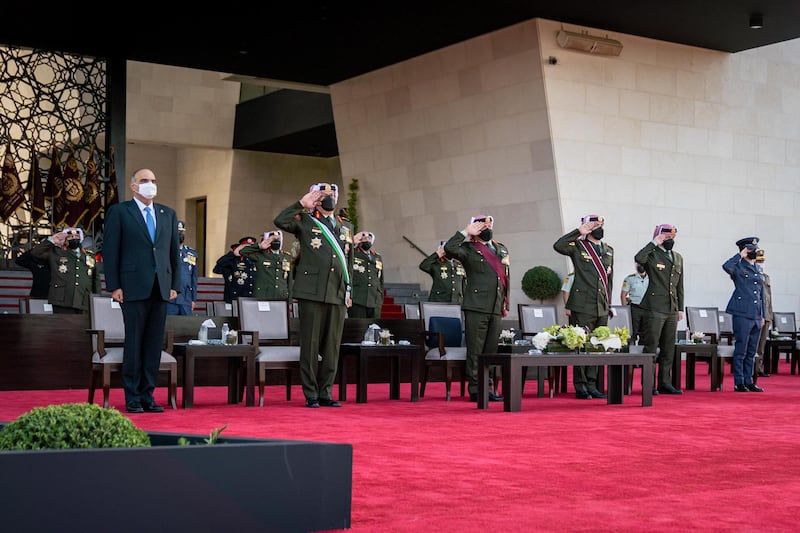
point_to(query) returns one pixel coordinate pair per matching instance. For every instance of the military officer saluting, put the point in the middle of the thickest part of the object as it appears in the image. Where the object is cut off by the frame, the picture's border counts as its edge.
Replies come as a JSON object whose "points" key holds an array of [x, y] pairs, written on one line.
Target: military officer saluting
{"points": [[273, 266], [448, 277], [486, 302], [589, 299], [73, 276], [238, 272], [184, 303], [367, 278]]}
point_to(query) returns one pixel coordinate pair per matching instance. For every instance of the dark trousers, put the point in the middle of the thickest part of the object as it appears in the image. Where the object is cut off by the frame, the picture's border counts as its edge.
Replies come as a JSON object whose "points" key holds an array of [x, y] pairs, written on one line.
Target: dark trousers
{"points": [[745, 335], [321, 327], [762, 343], [359, 311], [585, 377], [482, 331], [145, 321], [661, 329], [637, 324]]}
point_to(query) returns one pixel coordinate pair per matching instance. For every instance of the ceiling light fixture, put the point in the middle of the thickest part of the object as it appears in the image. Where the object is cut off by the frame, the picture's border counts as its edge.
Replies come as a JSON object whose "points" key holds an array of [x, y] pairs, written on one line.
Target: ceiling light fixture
{"points": [[756, 21]]}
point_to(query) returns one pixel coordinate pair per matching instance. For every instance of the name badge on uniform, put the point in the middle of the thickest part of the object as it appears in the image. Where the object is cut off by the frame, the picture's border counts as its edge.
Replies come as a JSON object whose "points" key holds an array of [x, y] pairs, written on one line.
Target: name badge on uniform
{"points": [[661, 266]]}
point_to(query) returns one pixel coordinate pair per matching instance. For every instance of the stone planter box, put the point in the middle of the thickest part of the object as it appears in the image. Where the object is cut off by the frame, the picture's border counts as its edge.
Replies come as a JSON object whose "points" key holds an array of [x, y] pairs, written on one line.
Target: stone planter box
{"points": [[238, 484]]}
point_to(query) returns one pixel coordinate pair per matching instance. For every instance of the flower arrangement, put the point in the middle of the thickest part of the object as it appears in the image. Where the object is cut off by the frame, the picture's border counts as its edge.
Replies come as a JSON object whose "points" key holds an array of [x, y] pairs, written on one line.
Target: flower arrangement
{"points": [[609, 340], [558, 338], [698, 337], [507, 336], [569, 337]]}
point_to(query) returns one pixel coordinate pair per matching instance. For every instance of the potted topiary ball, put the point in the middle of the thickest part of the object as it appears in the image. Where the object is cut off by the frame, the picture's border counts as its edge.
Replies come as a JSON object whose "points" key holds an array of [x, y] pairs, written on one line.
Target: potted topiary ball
{"points": [[72, 425], [541, 283]]}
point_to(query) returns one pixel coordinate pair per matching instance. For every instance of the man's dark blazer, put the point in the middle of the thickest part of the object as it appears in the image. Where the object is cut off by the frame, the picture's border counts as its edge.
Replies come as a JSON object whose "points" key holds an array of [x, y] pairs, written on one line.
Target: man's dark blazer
{"points": [[129, 254]]}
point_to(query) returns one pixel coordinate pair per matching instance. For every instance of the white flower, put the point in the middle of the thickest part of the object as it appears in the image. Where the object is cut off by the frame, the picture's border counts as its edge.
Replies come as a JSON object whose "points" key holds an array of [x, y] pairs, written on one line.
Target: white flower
{"points": [[579, 331], [698, 335], [612, 342], [507, 335], [541, 339]]}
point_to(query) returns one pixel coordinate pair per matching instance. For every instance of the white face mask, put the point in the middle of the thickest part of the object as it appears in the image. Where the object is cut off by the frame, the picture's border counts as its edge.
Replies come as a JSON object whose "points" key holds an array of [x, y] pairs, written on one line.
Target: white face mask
{"points": [[148, 189]]}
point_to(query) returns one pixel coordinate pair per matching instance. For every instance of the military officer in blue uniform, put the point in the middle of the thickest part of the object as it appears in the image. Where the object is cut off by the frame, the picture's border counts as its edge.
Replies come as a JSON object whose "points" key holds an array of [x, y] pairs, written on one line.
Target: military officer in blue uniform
{"points": [[448, 277], [73, 272], [367, 278], [748, 309], [273, 267], [238, 272], [184, 303]]}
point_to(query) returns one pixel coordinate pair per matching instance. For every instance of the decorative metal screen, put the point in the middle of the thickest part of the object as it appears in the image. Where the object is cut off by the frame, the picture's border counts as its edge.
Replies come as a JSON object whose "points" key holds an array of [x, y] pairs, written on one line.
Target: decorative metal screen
{"points": [[50, 99]]}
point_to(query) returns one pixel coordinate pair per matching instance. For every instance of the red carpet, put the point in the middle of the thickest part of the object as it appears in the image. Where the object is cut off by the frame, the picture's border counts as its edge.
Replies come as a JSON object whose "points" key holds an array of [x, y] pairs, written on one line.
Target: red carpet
{"points": [[699, 462]]}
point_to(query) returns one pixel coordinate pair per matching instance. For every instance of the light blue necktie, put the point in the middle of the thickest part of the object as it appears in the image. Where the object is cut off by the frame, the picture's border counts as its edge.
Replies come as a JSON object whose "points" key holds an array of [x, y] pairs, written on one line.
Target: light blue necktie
{"points": [[151, 224]]}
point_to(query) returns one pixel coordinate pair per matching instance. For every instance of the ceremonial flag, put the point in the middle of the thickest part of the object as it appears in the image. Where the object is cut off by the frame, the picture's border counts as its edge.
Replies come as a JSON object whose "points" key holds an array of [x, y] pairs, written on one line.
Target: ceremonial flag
{"points": [[91, 192], [112, 194], [73, 192], [35, 190], [11, 194], [54, 188]]}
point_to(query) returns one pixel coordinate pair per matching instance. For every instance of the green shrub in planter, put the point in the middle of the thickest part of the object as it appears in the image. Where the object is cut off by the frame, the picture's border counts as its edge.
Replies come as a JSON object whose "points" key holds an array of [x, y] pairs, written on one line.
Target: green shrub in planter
{"points": [[73, 425], [541, 283]]}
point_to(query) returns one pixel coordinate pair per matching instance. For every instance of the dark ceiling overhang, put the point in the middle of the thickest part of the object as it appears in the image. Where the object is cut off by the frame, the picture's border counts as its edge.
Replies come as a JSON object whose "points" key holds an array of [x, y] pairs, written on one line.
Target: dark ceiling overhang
{"points": [[325, 42]]}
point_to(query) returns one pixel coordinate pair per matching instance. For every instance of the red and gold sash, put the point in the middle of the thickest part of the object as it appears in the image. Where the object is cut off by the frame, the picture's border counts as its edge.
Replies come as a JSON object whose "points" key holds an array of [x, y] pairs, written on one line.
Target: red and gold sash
{"points": [[496, 265], [598, 265]]}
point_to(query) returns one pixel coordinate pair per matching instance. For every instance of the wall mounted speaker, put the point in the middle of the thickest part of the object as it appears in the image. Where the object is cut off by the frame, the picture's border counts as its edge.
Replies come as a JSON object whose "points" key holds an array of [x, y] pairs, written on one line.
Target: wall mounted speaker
{"points": [[591, 44]]}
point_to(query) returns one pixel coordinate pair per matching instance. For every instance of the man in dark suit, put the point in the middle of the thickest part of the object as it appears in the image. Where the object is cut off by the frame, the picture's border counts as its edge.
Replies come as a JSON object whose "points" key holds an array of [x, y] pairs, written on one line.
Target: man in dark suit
{"points": [[40, 270], [590, 296], [486, 263], [663, 301], [321, 286], [141, 258]]}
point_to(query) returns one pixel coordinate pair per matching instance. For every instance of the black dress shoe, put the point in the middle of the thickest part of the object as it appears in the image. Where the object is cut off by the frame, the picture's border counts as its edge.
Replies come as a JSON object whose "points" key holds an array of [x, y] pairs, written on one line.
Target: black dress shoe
{"points": [[312, 402], [473, 396], [329, 402], [134, 407], [763, 374], [152, 407], [752, 387], [655, 392], [594, 393], [583, 395], [669, 389], [741, 387], [495, 397]]}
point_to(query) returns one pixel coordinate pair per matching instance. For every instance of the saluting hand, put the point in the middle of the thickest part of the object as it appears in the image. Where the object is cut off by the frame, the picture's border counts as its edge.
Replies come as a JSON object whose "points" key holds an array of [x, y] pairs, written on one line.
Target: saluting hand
{"points": [[586, 229], [475, 228], [311, 199]]}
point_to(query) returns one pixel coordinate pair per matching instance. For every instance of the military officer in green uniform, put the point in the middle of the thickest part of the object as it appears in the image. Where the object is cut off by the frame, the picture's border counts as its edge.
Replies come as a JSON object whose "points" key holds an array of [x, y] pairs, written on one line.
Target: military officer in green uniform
{"points": [[184, 303], [322, 286], [367, 278], [73, 272], [589, 299], [273, 267], [663, 300], [238, 272], [486, 263], [448, 277]]}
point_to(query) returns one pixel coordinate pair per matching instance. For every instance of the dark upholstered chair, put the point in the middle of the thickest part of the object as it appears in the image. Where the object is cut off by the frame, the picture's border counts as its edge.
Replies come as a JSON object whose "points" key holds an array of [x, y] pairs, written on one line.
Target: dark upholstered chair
{"points": [[444, 335], [108, 336], [35, 306], [221, 308], [533, 318], [705, 320], [267, 323]]}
